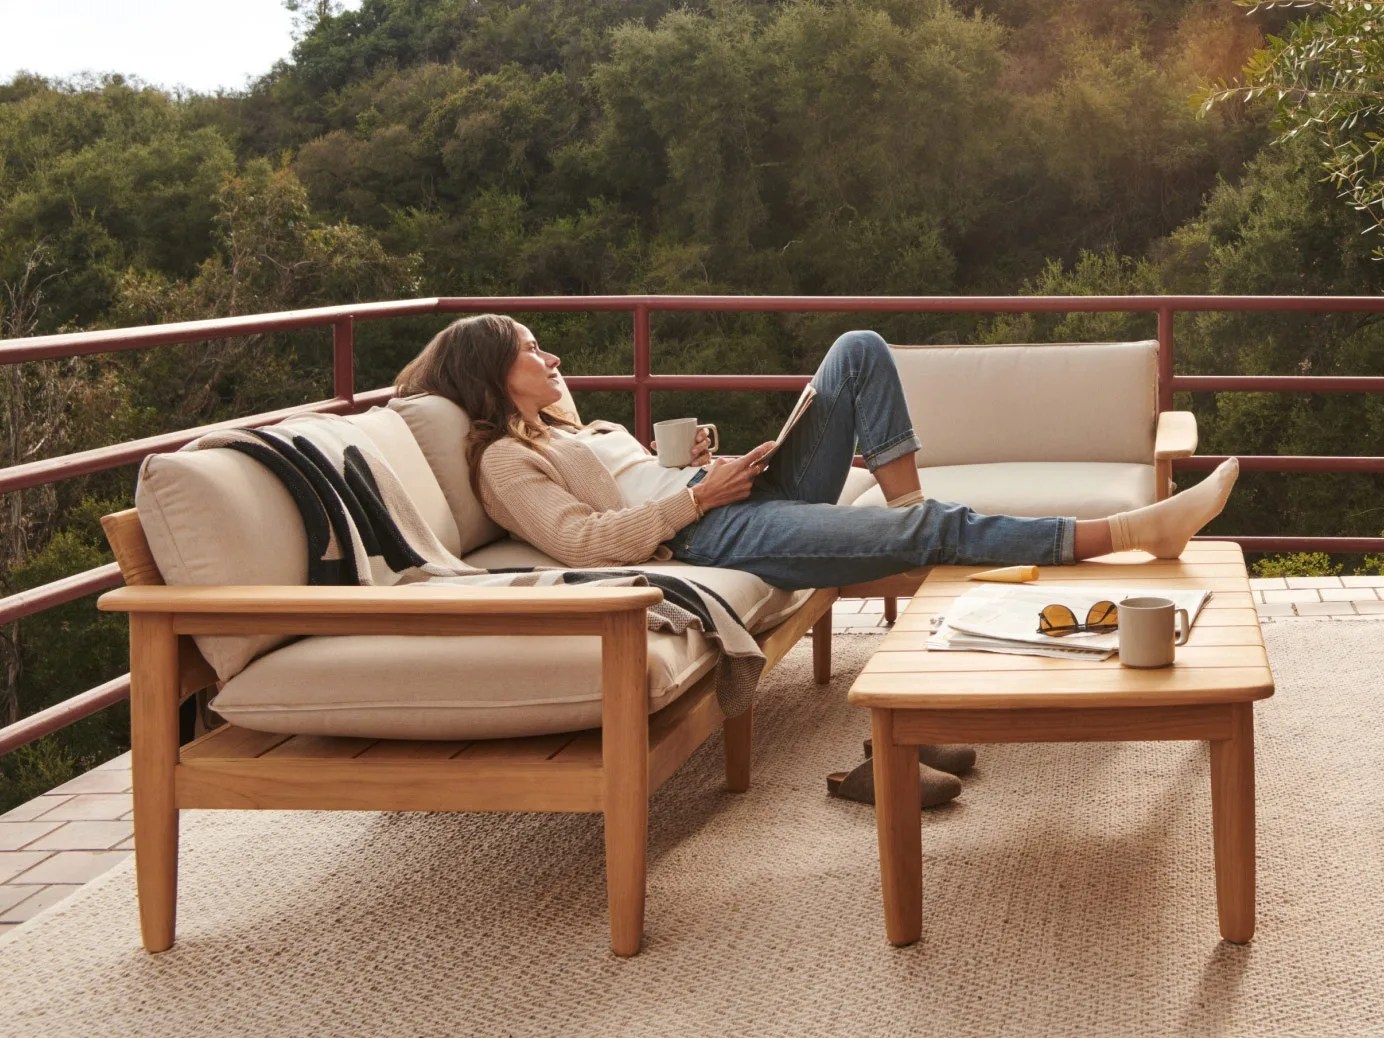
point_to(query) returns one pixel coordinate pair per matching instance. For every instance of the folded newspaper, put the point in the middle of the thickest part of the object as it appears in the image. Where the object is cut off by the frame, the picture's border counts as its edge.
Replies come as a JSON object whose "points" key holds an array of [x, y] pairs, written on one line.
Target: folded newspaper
{"points": [[1005, 619]]}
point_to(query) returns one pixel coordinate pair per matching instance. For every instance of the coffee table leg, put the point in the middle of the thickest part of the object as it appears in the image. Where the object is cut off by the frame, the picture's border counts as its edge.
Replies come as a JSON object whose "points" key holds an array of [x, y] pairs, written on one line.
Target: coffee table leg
{"points": [[1232, 820], [898, 817]]}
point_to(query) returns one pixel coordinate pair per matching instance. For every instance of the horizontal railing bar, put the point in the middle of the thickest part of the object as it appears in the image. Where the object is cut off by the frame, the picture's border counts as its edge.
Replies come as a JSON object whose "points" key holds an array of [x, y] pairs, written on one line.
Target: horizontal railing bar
{"points": [[1183, 383], [60, 715], [19, 477], [685, 383], [114, 340], [49, 347], [79, 585], [374, 397], [1330, 545], [1283, 463], [1278, 384], [918, 304]]}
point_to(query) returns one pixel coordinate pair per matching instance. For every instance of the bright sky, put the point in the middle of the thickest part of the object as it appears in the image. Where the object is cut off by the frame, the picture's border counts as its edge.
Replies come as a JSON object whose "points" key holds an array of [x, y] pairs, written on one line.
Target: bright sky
{"points": [[198, 44]]}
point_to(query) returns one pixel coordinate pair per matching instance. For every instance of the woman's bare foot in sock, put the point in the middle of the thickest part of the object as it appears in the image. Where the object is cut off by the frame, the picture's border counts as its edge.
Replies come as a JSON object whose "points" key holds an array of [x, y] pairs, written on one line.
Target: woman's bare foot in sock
{"points": [[1164, 527]]}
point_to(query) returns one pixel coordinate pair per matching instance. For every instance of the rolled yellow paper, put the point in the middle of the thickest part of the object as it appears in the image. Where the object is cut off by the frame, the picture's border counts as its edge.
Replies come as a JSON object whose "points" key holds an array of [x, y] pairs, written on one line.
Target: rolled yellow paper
{"points": [[1008, 574]]}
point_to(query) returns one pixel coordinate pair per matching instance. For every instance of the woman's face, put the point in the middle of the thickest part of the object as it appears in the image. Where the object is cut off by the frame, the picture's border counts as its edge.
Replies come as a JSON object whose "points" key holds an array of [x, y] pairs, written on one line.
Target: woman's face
{"points": [[532, 381]]}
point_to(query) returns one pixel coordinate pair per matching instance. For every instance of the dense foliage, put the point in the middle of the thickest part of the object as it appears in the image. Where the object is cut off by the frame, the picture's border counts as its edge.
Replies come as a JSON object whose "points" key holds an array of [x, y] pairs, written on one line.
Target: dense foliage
{"points": [[467, 147], [1325, 78]]}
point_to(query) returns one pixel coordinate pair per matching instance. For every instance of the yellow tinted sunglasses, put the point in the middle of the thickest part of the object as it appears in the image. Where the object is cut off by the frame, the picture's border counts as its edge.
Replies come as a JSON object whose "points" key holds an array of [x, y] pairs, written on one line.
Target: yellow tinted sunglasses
{"points": [[1058, 621]]}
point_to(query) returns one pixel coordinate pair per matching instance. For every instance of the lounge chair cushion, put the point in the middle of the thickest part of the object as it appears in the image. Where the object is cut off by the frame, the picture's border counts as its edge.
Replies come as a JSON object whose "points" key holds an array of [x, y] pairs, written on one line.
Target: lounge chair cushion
{"points": [[1086, 490], [1051, 402], [1032, 430]]}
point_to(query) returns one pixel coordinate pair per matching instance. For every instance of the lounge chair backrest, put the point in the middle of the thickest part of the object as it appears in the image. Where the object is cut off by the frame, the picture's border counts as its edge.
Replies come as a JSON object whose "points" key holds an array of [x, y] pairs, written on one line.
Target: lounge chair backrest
{"points": [[1088, 402]]}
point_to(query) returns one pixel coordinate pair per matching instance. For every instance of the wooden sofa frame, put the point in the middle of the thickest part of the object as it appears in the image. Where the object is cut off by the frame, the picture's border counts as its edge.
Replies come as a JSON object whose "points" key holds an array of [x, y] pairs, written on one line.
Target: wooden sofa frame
{"points": [[612, 770]]}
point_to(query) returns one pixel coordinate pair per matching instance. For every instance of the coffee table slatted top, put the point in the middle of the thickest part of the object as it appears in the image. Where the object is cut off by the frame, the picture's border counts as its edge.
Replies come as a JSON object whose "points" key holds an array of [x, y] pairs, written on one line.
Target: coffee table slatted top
{"points": [[1223, 661]]}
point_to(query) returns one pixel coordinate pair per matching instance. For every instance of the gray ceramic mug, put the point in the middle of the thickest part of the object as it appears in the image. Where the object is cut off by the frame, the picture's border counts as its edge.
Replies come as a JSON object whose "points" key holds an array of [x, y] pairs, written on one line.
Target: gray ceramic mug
{"points": [[1150, 631]]}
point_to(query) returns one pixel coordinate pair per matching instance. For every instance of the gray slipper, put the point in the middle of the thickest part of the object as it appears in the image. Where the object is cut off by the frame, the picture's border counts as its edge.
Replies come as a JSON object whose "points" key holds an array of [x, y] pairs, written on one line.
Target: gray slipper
{"points": [[859, 785], [955, 760]]}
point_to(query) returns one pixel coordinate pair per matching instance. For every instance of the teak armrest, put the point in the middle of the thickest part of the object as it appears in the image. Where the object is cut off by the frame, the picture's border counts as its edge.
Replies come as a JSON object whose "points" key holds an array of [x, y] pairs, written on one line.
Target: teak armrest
{"points": [[408, 600], [1176, 435], [414, 610]]}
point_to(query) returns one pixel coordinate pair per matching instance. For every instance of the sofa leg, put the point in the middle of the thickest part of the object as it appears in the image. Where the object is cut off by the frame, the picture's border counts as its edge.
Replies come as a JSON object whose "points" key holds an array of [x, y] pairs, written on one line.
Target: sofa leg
{"points": [[739, 744], [626, 840], [625, 763], [154, 756], [891, 609], [821, 649]]}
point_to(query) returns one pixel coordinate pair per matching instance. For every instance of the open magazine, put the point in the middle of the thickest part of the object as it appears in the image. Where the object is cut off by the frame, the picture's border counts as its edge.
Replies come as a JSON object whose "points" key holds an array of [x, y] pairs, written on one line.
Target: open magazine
{"points": [[799, 409], [1005, 619]]}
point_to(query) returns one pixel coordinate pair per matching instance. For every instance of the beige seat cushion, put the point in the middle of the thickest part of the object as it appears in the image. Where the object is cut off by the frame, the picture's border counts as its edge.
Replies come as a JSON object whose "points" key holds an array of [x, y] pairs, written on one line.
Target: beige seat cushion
{"points": [[472, 688], [1052, 402], [220, 517], [1091, 490]]}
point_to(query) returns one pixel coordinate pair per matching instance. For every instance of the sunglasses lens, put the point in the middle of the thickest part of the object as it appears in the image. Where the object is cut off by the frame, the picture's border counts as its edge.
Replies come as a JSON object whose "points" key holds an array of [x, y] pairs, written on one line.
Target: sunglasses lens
{"points": [[1059, 620], [1103, 614], [1056, 619]]}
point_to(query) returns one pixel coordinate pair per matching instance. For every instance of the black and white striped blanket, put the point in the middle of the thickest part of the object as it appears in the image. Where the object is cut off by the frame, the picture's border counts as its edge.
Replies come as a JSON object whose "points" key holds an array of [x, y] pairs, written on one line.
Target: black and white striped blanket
{"points": [[363, 528]]}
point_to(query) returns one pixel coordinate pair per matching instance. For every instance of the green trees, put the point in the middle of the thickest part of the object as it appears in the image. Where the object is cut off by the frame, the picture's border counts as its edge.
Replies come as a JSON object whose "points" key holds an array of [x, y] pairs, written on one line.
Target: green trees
{"points": [[1324, 79], [98, 180]]}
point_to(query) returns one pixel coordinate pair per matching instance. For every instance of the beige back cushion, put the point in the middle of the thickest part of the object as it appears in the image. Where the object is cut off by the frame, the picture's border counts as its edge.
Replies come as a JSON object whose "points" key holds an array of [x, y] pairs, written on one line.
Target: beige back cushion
{"points": [[440, 428], [1049, 402], [220, 517]]}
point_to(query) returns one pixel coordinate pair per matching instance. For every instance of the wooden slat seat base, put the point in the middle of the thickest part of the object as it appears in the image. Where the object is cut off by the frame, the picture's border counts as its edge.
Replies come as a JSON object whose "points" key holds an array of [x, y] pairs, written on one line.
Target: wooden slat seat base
{"points": [[232, 767]]}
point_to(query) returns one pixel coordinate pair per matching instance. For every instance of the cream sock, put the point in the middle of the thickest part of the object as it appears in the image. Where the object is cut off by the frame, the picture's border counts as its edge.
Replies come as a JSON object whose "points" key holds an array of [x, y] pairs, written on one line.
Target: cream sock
{"points": [[913, 497], [1164, 527]]}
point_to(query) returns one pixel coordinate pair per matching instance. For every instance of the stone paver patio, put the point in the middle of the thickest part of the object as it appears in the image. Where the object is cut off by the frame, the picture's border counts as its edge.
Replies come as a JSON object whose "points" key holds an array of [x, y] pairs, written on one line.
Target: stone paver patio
{"points": [[57, 842]]}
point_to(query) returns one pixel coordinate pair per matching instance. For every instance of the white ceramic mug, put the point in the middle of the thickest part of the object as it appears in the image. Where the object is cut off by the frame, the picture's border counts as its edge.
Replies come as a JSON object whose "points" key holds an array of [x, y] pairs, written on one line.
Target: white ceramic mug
{"points": [[1150, 629], [676, 438]]}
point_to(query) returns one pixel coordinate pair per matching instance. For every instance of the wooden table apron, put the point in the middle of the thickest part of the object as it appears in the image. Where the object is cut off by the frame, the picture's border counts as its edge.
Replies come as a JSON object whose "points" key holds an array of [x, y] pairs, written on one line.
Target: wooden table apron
{"points": [[920, 697]]}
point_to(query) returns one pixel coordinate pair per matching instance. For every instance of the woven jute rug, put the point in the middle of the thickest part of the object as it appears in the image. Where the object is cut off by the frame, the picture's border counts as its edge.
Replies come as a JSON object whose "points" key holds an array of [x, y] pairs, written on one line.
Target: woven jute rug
{"points": [[1069, 891]]}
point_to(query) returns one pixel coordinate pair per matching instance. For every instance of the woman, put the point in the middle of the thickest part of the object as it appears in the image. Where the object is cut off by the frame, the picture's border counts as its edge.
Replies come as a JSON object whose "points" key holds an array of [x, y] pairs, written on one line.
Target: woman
{"points": [[592, 496]]}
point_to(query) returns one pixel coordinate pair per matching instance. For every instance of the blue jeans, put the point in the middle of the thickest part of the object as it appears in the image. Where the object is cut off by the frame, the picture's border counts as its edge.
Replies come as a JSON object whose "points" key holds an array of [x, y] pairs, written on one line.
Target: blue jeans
{"points": [[791, 532]]}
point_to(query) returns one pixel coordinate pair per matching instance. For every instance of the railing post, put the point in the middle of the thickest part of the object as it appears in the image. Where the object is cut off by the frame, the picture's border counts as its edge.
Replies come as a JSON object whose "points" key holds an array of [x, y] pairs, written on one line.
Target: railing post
{"points": [[1165, 358], [643, 413], [344, 360]]}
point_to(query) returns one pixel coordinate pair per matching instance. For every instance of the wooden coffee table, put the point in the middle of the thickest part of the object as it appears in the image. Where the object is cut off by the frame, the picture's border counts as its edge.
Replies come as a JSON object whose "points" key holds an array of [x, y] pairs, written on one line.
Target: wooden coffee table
{"points": [[916, 696]]}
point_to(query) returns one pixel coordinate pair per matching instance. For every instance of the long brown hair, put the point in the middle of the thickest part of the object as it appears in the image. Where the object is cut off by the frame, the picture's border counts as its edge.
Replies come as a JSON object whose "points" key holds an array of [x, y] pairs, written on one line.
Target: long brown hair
{"points": [[468, 362]]}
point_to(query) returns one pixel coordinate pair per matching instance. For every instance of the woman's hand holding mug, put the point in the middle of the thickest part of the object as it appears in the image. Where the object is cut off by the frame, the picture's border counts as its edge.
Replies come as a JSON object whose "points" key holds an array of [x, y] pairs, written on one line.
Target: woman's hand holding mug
{"points": [[702, 449], [680, 442]]}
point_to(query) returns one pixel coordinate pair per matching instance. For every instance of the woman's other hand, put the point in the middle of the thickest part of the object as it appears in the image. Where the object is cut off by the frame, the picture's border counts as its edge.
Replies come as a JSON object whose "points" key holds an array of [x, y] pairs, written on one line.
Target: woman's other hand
{"points": [[728, 481], [701, 450]]}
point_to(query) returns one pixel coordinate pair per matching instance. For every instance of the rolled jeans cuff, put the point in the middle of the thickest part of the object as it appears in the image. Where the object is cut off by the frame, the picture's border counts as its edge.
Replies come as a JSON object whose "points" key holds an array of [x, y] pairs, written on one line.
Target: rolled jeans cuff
{"points": [[892, 450], [1066, 546]]}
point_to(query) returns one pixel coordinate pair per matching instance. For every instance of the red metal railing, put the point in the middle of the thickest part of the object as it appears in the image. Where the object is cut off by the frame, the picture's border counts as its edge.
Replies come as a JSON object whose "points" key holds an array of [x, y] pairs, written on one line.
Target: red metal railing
{"points": [[642, 383]]}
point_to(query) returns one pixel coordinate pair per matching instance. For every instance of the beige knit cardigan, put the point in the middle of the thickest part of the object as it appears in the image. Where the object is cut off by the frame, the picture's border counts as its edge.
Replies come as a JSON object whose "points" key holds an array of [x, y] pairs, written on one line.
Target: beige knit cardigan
{"points": [[563, 501]]}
